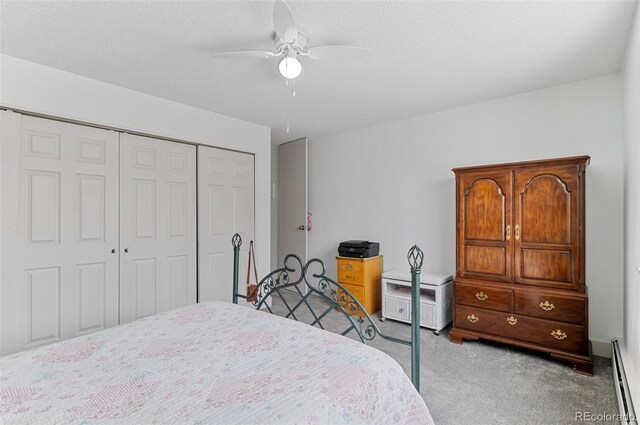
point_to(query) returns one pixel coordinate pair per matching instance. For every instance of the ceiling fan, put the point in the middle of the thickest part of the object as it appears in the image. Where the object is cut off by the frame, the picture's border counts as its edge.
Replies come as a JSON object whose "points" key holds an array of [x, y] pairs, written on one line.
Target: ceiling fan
{"points": [[291, 43]]}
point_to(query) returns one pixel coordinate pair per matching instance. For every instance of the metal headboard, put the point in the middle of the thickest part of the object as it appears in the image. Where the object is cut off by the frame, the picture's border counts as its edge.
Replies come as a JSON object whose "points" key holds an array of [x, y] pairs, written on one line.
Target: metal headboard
{"points": [[313, 274]]}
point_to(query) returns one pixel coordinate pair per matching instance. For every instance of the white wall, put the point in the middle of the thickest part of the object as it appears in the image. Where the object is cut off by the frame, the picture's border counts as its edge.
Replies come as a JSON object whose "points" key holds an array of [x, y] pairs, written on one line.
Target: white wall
{"points": [[36, 88], [274, 207], [631, 346], [393, 183]]}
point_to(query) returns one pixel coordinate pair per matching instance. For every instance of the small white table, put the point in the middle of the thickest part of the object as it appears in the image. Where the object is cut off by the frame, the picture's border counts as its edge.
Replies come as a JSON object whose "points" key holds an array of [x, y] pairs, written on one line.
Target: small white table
{"points": [[436, 294]]}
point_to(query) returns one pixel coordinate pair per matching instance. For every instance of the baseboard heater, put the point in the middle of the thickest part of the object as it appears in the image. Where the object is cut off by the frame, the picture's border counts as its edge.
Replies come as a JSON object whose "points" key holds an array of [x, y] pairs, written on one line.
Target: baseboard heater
{"points": [[627, 413]]}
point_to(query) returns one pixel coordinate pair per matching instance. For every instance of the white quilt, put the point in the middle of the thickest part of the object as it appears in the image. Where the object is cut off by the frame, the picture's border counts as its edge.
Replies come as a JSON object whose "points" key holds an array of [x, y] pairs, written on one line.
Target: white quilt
{"points": [[210, 363]]}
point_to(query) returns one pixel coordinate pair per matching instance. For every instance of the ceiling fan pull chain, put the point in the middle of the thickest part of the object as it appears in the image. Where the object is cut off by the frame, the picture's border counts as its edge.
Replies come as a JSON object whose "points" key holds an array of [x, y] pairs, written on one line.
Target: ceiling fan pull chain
{"points": [[286, 107]]}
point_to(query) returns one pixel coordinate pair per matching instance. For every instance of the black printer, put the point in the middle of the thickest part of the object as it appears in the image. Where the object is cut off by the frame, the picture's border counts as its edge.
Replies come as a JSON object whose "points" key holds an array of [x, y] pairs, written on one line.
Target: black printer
{"points": [[358, 249]]}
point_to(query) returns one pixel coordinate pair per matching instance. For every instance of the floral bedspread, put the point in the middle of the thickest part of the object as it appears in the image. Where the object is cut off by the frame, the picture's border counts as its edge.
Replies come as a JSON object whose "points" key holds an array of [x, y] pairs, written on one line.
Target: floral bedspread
{"points": [[210, 363]]}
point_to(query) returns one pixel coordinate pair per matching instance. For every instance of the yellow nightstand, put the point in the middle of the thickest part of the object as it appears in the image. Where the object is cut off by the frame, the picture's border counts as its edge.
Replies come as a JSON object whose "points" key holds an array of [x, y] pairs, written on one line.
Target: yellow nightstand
{"points": [[362, 278]]}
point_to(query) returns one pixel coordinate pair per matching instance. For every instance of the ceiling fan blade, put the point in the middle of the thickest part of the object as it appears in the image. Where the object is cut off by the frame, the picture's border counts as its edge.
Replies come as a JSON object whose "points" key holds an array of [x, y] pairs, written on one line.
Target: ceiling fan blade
{"points": [[247, 54], [284, 23], [338, 52]]}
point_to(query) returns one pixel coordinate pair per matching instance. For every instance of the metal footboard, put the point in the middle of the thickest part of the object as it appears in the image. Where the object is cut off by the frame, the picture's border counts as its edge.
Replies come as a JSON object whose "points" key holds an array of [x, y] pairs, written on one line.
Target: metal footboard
{"points": [[312, 275]]}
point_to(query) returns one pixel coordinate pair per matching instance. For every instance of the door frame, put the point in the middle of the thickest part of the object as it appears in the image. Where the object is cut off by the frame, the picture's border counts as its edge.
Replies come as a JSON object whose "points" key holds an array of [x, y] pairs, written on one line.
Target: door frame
{"points": [[282, 202]]}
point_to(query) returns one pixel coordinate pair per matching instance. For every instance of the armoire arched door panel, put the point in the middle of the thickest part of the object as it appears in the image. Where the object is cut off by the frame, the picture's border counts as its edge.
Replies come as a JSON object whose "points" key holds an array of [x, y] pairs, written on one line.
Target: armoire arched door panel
{"points": [[484, 226], [546, 210]]}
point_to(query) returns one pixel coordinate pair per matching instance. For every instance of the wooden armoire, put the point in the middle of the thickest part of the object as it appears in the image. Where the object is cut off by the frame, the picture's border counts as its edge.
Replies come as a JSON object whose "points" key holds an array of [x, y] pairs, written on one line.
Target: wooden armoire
{"points": [[520, 257]]}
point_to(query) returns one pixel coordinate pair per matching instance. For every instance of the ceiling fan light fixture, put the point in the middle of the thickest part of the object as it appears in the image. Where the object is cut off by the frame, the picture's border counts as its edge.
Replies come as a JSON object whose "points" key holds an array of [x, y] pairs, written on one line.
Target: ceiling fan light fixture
{"points": [[290, 68]]}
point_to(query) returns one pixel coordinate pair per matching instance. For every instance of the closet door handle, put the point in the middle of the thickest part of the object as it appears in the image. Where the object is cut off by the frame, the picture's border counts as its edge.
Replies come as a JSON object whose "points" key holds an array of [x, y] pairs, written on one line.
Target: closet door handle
{"points": [[113, 251], [508, 231], [517, 232], [126, 250]]}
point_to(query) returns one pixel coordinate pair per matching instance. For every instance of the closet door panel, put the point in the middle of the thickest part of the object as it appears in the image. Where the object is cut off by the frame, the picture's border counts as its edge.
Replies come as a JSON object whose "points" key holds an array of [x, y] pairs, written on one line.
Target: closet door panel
{"points": [[60, 224], [226, 206], [157, 226]]}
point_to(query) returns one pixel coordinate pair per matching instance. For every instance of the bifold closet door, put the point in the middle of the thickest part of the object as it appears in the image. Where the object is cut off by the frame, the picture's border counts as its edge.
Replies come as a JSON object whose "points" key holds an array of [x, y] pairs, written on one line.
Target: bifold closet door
{"points": [[225, 206], [59, 231], [157, 226]]}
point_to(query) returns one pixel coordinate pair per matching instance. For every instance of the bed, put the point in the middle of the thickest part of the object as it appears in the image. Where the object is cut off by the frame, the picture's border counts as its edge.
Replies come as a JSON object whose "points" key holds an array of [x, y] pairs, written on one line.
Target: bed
{"points": [[214, 362]]}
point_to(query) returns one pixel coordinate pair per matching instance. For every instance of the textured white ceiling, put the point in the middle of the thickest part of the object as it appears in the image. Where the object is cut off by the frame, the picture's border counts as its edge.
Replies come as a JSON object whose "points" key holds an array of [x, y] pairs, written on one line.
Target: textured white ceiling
{"points": [[427, 56]]}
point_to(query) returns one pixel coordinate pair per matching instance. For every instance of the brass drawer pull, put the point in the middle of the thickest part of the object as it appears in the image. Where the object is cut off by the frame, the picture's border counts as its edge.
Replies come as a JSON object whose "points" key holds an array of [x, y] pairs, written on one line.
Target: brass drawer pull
{"points": [[547, 306], [348, 267], [512, 320], [481, 296], [508, 231], [348, 276], [473, 318], [559, 335]]}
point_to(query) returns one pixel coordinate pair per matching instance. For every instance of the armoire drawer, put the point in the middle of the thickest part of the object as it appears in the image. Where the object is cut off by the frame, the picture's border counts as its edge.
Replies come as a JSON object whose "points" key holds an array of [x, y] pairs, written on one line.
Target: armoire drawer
{"points": [[483, 296], [561, 336], [551, 307]]}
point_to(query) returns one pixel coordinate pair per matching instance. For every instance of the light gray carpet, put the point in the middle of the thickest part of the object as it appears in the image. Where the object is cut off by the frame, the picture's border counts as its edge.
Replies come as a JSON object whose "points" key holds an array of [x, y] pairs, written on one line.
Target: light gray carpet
{"points": [[481, 382]]}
